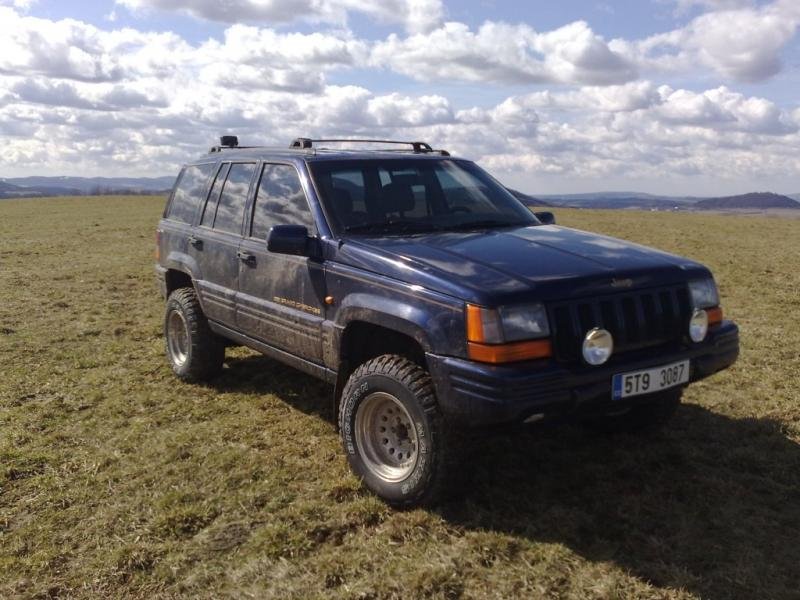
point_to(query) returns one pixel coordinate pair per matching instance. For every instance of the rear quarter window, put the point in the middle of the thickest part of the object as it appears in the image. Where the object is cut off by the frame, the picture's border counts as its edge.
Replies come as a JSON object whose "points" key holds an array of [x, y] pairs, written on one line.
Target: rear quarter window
{"points": [[189, 193]]}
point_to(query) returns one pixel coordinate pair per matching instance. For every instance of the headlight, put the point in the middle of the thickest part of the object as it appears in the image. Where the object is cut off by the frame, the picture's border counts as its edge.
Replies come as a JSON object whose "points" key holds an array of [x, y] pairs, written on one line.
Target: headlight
{"points": [[698, 325], [704, 293], [506, 324]]}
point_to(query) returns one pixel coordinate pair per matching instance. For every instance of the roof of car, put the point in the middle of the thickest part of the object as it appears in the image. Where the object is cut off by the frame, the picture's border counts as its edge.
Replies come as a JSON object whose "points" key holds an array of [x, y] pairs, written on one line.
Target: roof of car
{"points": [[310, 150]]}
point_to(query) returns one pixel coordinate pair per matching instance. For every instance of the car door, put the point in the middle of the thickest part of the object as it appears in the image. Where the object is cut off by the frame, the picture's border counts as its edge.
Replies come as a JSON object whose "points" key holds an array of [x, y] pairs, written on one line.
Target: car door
{"points": [[281, 297], [177, 226], [215, 242]]}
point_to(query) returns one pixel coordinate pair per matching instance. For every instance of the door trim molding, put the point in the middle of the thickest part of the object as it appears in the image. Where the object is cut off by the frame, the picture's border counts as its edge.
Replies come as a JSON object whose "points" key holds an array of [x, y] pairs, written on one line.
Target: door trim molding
{"points": [[301, 364]]}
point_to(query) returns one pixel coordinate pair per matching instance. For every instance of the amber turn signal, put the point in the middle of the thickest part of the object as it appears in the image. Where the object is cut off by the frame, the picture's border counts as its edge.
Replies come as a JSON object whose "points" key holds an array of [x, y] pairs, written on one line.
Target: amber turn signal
{"points": [[506, 353], [714, 315], [474, 324]]}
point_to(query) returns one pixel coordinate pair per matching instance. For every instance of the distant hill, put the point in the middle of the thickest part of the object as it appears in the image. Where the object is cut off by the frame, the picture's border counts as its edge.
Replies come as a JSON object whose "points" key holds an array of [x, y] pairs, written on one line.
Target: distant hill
{"points": [[599, 196], [631, 200], [636, 200], [757, 200], [27, 187], [528, 200], [9, 190], [87, 184], [794, 197]]}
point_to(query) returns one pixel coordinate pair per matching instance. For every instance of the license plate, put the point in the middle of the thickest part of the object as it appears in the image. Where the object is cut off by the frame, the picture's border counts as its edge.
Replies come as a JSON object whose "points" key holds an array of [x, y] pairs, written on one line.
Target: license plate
{"points": [[648, 381]]}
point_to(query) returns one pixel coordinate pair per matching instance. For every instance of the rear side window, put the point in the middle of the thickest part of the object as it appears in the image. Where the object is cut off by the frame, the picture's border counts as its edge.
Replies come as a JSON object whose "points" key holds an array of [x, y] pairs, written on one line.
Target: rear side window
{"points": [[189, 193], [213, 198], [230, 208], [280, 201]]}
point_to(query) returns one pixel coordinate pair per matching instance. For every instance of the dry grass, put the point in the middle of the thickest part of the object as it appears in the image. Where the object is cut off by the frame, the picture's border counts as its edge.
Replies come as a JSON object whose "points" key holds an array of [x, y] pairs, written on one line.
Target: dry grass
{"points": [[117, 480]]}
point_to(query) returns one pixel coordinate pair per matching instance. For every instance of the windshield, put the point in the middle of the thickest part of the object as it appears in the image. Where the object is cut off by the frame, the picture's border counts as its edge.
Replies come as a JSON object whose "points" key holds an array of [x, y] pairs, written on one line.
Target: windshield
{"points": [[402, 196]]}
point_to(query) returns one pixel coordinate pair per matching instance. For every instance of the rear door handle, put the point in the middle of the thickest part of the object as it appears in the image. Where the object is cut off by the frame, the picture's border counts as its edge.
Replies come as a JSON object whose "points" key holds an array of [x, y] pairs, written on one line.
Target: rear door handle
{"points": [[246, 257], [196, 242]]}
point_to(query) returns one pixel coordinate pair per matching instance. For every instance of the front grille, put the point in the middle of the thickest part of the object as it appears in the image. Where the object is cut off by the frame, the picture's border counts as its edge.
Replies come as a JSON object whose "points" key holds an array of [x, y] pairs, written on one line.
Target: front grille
{"points": [[637, 319]]}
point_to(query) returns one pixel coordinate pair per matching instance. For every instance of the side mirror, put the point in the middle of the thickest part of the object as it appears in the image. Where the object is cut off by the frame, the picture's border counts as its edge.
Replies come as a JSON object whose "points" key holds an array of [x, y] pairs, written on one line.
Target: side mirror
{"points": [[289, 239], [546, 217]]}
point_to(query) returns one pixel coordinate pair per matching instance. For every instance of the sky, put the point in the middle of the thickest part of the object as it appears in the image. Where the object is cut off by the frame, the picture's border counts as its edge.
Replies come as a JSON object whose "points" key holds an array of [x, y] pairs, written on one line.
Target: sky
{"points": [[694, 97]]}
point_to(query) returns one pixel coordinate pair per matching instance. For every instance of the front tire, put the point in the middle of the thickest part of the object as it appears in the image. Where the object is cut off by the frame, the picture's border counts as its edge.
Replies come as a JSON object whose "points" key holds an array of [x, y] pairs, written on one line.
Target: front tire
{"points": [[393, 433], [194, 352]]}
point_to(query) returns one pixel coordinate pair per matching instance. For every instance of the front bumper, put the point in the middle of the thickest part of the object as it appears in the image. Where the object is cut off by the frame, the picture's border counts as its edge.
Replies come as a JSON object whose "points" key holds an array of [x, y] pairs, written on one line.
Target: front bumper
{"points": [[478, 394]]}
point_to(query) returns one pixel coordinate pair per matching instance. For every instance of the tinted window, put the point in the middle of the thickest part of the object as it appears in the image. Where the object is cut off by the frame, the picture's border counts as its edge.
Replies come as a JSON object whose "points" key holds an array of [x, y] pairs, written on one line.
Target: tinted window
{"points": [[351, 182], [463, 191], [385, 196], [213, 198], [280, 201], [230, 208], [411, 180], [189, 193]]}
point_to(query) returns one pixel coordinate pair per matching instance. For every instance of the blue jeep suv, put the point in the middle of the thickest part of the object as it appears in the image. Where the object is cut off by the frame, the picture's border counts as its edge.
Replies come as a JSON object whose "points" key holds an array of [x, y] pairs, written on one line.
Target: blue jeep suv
{"points": [[429, 297]]}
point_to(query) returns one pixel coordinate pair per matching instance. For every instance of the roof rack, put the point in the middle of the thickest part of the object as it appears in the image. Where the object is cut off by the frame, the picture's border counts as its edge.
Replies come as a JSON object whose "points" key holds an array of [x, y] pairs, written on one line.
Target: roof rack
{"points": [[417, 147], [231, 142]]}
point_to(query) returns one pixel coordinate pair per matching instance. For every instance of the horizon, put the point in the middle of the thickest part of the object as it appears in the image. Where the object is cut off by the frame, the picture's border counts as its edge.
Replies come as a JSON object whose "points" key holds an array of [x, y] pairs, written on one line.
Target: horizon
{"points": [[599, 193], [621, 95]]}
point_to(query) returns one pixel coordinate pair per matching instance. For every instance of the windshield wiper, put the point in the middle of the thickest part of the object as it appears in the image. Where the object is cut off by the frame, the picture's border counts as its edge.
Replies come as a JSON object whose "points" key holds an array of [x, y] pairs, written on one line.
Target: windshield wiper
{"points": [[485, 224], [392, 226]]}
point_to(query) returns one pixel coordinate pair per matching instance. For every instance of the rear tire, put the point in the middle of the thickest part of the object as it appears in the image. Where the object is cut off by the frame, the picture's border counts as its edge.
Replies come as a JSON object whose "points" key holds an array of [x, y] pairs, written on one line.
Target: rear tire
{"points": [[194, 352], [394, 436], [646, 417]]}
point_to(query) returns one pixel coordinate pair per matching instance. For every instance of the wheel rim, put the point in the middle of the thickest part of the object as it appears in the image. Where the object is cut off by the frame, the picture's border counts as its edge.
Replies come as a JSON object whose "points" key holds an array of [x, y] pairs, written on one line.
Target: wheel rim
{"points": [[386, 437], [177, 338]]}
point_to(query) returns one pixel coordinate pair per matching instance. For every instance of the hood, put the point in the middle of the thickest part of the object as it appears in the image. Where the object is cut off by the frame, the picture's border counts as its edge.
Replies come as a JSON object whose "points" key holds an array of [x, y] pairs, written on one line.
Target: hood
{"points": [[542, 262]]}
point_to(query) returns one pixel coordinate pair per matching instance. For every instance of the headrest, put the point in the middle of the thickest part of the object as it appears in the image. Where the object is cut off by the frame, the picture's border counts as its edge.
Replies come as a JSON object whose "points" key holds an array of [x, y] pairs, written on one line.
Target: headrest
{"points": [[397, 197], [342, 200]]}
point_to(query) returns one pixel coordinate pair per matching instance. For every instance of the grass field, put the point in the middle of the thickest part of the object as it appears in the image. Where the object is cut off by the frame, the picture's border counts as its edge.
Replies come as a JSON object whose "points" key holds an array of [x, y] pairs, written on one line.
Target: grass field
{"points": [[117, 480]]}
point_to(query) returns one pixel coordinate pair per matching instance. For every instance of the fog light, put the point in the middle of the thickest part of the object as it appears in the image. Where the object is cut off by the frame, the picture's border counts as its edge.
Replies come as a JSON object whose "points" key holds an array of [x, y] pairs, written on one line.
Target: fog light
{"points": [[698, 326], [597, 346]]}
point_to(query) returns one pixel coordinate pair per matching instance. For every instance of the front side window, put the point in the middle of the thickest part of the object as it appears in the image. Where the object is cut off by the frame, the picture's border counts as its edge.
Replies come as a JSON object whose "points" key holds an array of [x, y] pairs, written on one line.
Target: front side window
{"points": [[189, 192], [280, 200], [230, 208], [400, 196]]}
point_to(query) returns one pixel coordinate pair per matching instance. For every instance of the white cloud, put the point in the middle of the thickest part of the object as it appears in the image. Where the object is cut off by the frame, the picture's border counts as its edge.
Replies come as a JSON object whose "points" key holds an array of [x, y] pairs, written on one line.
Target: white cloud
{"points": [[415, 15], [79, 98], [53, 94], [614, 98], [247, 57], [724, 110], [684, 6], [396, 110], [265, 59], [718, 109], [74, 50], [19, 4], [503, 53], [742, 44]]}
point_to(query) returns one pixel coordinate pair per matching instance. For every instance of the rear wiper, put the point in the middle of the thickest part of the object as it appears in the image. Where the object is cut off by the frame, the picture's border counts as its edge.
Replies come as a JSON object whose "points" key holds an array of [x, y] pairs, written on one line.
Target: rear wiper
{"points": [[394, 225]]}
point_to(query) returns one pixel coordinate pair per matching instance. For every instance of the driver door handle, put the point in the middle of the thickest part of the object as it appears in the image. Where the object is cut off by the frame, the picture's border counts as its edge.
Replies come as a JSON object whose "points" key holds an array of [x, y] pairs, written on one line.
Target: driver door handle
{"points": [[246, 257]]}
